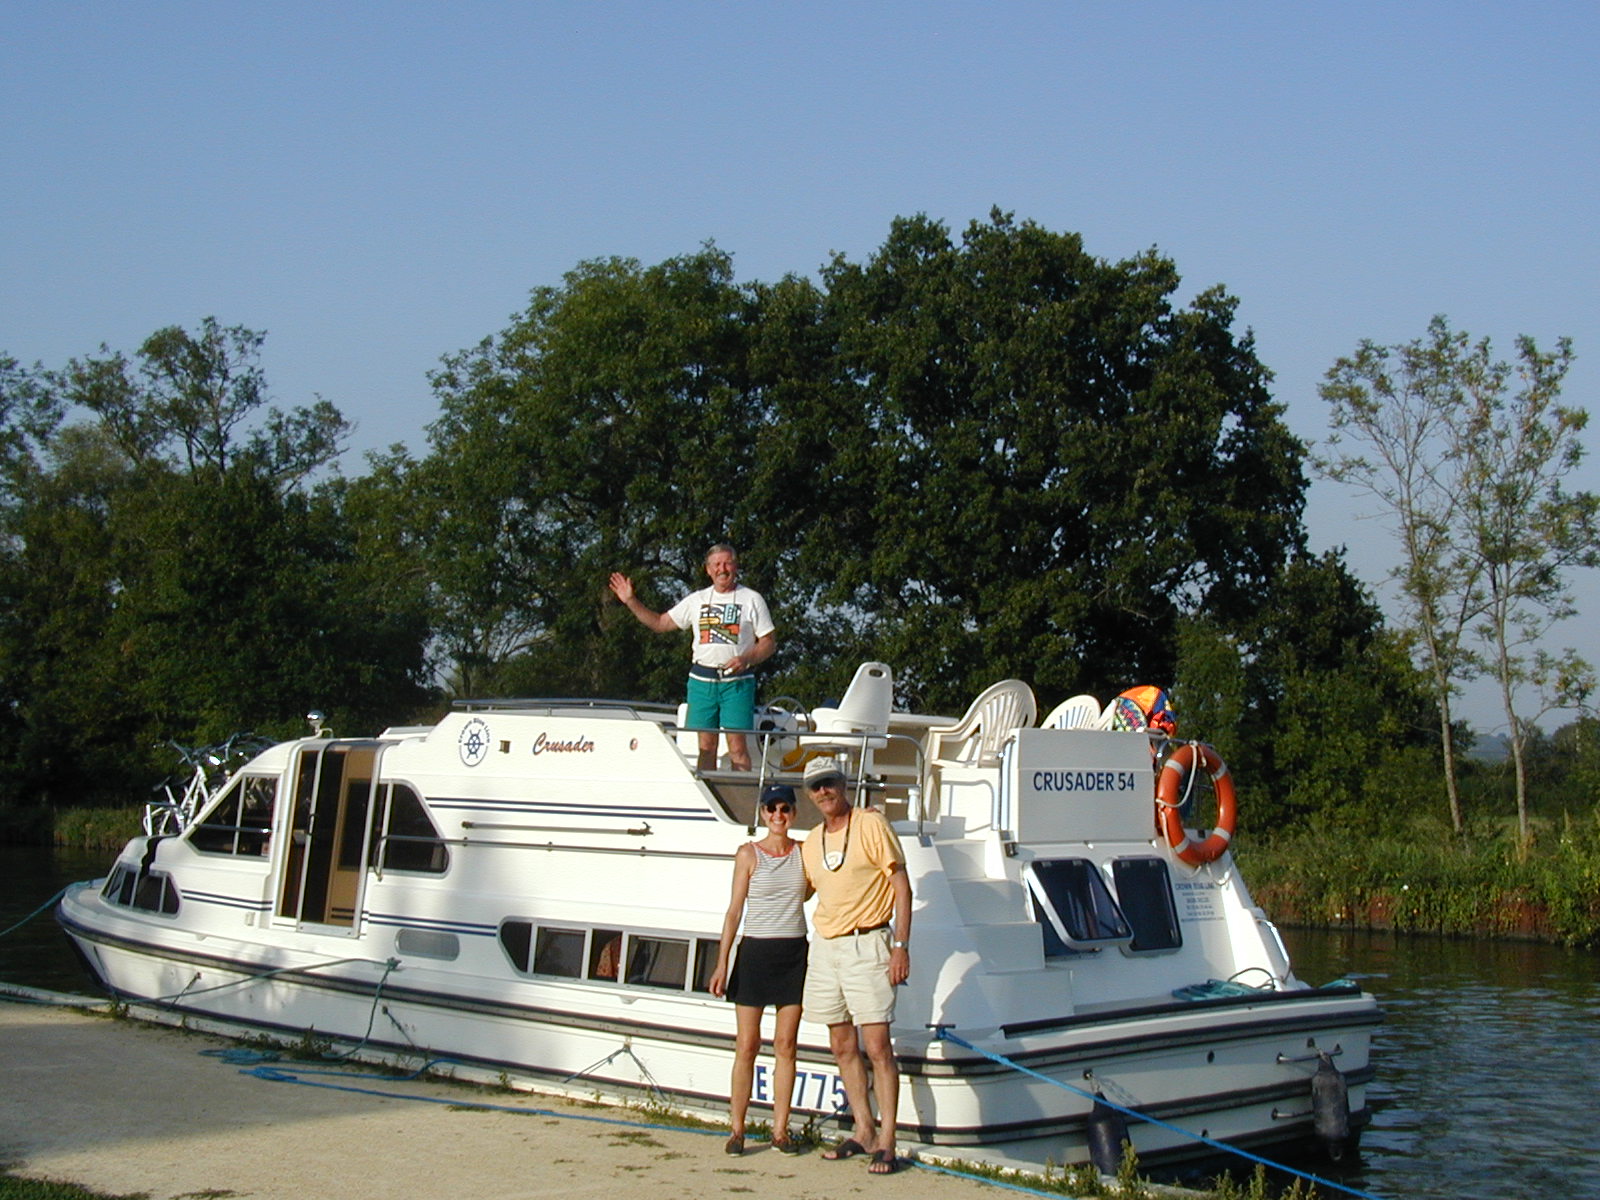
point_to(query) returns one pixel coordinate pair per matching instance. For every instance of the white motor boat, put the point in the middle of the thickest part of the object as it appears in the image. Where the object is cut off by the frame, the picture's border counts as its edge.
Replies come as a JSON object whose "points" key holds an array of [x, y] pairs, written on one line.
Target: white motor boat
{"points": [[533, 890]]}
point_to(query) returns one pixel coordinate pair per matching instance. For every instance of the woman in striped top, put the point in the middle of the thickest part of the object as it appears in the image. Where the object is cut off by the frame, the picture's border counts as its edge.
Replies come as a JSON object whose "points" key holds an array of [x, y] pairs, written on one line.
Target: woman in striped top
{"points": [[769, 886]]}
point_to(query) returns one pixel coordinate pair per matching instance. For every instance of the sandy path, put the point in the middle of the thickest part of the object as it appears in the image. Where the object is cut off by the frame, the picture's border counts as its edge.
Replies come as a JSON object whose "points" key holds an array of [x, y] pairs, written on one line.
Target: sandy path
{"points": [[122, 1107]]}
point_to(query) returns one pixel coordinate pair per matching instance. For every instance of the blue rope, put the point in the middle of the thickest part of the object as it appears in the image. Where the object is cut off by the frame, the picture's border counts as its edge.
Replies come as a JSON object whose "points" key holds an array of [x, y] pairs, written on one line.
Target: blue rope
{"points": [[943, 1034]]}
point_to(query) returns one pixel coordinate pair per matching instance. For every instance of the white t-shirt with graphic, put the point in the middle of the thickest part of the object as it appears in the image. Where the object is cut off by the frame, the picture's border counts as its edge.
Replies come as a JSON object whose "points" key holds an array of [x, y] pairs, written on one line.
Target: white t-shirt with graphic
{"points": [[725, 624]]}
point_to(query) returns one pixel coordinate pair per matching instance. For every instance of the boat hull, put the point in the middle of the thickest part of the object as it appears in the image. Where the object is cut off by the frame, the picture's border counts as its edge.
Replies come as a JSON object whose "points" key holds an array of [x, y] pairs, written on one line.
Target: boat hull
{"points": [[1236, 1070]]}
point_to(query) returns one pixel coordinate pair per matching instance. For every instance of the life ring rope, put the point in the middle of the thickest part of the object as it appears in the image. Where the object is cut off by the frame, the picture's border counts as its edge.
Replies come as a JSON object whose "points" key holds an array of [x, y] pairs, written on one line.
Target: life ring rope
{"points": [[1181, 764]]}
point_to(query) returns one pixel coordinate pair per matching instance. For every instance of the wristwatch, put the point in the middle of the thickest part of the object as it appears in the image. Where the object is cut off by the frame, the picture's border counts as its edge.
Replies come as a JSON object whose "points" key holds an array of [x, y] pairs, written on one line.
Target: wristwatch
{"points": [[897, 945]]}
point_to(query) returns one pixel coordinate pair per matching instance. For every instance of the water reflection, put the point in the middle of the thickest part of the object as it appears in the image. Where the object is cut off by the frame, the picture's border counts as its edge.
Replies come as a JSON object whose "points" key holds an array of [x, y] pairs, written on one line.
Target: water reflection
{"points": [[37, 954], [1484, 1083]]}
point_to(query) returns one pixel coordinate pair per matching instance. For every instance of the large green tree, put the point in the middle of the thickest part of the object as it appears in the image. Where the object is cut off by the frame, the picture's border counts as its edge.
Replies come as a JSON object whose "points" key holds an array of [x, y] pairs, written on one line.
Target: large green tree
{"points": [[174, 569], [969, 458], [1039, 462], [616, 425]]}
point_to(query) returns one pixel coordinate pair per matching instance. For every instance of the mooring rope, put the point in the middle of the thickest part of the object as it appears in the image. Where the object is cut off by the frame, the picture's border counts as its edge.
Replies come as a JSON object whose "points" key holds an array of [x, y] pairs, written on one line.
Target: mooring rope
{"points": [[942, 1033], [43, 907]]}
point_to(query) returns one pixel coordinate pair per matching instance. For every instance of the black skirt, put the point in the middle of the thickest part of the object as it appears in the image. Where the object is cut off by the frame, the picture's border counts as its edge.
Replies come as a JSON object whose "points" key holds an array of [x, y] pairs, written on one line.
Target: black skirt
{"points": [[768, 971]]}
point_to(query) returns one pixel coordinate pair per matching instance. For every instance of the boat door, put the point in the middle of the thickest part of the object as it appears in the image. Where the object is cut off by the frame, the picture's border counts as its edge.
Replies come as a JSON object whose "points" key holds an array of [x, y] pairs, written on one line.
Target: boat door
{"points": [[329, 832]]}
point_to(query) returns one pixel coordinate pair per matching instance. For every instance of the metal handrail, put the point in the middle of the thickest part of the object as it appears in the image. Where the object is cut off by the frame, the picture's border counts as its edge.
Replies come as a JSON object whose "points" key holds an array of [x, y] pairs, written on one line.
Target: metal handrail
{"points": [[860, 743]]}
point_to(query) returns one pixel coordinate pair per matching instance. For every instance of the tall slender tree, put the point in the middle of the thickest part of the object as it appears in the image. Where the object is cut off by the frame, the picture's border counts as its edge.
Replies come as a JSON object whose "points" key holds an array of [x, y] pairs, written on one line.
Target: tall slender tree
{"points": [[1468, 457], [1396, 414], [1525, 530]]}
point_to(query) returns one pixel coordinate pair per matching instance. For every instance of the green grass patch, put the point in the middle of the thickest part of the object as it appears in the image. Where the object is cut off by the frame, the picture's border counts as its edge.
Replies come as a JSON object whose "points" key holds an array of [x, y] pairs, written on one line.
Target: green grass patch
{"points": [[1424, 879], [14, 1187], [97, 828]]}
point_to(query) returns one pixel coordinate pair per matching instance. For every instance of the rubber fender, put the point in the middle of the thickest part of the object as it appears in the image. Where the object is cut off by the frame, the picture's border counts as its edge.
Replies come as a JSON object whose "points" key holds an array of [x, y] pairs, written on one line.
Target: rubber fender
{"points": [[1107, 1130], [1330, 1107]]}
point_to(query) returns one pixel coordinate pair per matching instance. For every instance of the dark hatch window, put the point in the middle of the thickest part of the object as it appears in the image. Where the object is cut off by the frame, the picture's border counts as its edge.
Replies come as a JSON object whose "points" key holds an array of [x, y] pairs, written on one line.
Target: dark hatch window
{"points": [[705, 964], [411, 842], [1144, 893], [658, 962], [515, 938], [605, 954], [240, 820], [153, 891], [559, 952], [1072, 897]]}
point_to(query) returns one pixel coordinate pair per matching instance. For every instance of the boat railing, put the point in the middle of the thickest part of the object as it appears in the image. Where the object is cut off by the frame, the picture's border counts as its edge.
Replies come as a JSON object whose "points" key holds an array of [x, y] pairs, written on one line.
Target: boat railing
{"points": [[883, 769], [204, 770], [557, 706]]}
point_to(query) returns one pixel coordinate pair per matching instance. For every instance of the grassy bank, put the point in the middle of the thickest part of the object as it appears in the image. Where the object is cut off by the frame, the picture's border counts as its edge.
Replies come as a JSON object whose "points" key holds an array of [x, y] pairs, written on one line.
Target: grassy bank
{"points": [[1425, 880], [97, 828]]}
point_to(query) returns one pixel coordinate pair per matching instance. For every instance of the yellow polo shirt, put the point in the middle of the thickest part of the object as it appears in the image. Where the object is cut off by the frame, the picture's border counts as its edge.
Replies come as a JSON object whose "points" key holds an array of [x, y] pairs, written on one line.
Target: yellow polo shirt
{"points": [[858, 895]]}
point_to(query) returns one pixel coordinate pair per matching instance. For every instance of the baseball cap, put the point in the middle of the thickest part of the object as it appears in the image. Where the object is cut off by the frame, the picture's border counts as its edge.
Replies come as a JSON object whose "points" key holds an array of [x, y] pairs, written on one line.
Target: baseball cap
{"points": [[822, 768]]}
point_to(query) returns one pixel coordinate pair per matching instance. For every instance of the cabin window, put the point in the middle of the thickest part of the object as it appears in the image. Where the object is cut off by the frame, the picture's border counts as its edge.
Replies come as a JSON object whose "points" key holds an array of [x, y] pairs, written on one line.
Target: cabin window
{"points": [[658, 962], [605, 954], [410, 840], [119, 887], [240, 821], [705, 964], [153, 891], [1144, 893], [559, 952], [515, 938], [1077, 907], [640, 959]]}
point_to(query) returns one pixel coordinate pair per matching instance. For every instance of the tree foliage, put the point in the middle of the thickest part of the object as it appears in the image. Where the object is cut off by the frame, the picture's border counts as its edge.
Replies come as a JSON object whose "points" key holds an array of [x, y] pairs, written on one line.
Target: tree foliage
{"points": [[1312, 702], [971, 458], [1039, 463], [614, 425], [171, 572], [1468, 457]]}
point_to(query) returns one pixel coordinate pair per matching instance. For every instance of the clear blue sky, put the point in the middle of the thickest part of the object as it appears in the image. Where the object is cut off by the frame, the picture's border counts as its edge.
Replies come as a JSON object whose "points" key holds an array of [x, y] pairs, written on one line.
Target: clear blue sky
{"points": [[379, 184]]}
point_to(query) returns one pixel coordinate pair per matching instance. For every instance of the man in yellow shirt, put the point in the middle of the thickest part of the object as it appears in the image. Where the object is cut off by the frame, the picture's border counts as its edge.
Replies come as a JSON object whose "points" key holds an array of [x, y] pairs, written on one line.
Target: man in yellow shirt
{"points": [[859, 954]]}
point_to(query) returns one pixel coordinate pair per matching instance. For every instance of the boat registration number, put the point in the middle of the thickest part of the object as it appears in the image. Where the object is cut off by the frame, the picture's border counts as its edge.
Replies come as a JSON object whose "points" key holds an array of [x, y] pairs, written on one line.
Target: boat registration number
{"points": [[814, 1091]]}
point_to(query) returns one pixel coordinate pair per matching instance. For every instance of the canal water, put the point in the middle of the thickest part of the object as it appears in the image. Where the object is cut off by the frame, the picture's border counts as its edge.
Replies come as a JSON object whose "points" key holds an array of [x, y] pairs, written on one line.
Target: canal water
{"points": [[1486, 1065]]}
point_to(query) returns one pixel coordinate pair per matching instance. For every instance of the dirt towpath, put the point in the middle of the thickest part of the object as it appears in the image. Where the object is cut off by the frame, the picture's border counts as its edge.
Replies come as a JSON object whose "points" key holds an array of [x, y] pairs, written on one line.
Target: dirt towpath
{"points": [[122, 1107]]}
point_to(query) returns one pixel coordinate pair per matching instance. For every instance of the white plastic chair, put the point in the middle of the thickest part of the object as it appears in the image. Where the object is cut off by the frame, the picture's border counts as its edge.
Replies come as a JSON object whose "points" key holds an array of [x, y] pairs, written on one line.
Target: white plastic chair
{"points": [[866, 705], [1080, 712], [847, 729], [975, 739]]}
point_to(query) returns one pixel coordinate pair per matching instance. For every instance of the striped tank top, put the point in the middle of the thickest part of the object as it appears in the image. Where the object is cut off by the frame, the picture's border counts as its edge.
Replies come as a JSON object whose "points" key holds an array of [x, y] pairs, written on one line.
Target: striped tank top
{"points": [[777, 890]]}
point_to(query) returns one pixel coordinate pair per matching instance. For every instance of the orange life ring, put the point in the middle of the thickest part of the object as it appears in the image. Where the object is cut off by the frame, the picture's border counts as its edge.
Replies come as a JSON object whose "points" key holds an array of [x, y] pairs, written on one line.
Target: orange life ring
{"points": [[1179, 764]]}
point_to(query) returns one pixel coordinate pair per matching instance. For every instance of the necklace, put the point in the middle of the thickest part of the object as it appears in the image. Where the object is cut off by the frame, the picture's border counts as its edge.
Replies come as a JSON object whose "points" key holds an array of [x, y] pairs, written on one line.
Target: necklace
{"points": [[834, 859]]}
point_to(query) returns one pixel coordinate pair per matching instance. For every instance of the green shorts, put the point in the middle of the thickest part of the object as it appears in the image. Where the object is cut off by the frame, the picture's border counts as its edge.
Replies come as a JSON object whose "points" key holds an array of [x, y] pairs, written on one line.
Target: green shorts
{"points": [[722, 703]]}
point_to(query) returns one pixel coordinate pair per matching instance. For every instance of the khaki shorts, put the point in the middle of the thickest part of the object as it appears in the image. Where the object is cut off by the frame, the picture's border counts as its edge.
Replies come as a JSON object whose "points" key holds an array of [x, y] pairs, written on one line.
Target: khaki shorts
{"points": [[847, 979]]}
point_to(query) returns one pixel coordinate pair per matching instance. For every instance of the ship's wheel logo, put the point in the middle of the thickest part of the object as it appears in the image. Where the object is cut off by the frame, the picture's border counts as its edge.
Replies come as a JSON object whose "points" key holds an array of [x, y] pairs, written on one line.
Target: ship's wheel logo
{"points": [[474, 742]]}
